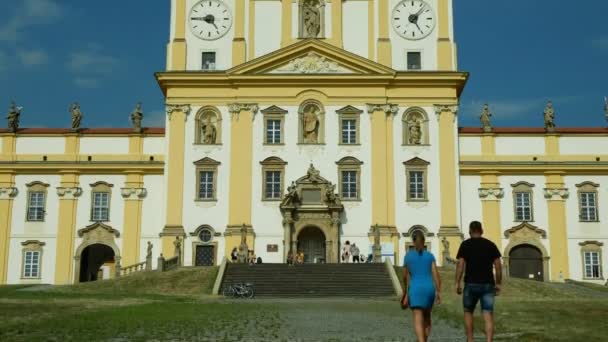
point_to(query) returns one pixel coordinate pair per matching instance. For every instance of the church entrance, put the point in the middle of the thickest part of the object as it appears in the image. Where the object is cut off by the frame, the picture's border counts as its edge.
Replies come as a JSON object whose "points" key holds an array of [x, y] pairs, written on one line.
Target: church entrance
{"points": [[526, 262], [92, 259], [311, 241]]}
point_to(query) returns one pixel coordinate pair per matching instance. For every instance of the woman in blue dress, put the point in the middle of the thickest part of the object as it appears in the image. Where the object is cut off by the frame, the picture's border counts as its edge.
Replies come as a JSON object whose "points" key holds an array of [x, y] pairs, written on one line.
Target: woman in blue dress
{"points": [[422, 286]]}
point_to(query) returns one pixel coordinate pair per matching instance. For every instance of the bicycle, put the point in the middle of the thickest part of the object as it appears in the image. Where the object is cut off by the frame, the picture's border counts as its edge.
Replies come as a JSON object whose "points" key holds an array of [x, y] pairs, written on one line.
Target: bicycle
{"points": [[245, 290]]}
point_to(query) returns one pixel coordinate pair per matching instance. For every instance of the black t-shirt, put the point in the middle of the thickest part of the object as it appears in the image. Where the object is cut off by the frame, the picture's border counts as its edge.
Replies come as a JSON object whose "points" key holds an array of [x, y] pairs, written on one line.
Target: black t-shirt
{"points": [[479, 255]]}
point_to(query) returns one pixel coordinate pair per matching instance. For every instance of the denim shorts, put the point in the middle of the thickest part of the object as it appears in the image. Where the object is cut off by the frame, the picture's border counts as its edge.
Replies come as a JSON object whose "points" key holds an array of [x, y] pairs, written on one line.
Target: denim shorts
{"points": [[478, 292]]}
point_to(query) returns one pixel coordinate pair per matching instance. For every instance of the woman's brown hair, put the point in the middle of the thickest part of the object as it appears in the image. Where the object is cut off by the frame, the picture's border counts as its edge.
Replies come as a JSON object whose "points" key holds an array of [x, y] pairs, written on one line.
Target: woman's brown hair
{"points": [[419, 241]]}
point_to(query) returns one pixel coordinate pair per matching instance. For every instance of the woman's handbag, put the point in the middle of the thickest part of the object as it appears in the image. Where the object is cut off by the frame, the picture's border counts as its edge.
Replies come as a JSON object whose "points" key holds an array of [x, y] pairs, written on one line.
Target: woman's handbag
{"points": [[403, 307]]}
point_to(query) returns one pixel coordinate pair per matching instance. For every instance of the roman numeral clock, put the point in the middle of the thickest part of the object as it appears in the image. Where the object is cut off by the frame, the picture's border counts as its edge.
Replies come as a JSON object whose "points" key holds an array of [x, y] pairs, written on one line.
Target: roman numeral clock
{"points": [[413, 19], [210, 19]]}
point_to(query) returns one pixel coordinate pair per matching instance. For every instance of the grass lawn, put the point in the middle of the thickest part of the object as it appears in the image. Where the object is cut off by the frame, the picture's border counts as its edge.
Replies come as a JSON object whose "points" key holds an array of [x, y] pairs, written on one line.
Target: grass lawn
{"points": [[177, 306], [536, 311]]}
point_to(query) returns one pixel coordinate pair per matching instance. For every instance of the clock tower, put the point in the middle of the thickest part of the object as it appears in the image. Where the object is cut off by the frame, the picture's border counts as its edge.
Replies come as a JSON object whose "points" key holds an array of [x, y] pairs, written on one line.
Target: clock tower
{"points": [[215, 35]]}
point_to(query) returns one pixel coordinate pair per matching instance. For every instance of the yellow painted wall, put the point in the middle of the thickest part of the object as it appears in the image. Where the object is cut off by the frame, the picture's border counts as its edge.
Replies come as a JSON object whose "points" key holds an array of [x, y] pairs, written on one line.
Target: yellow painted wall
{"points": [[558, 236], [447, 168], [379, 167], [241, 161], [490, 208], [66, 231], [131, 236], [7, 181]]}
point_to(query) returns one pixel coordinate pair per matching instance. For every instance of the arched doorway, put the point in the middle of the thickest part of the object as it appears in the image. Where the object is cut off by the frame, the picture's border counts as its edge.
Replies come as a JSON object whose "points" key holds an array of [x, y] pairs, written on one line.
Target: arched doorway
{"points": [[91, 260], [311, 241], [526, 262]]}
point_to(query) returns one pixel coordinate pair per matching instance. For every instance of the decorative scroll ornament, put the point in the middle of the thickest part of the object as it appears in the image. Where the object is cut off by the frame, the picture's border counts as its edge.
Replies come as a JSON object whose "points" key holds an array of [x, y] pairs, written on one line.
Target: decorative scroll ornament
{"points": [[236, 108], [184, 108], [388, 108], [491, 193], [439, 108], [69, 192], [312, 64], [133, 193], [8, 193], [556, 193]]}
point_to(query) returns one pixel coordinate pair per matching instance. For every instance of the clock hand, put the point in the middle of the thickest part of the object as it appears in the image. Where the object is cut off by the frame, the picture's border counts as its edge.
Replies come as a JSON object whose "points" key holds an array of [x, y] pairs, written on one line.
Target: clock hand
{"points": [[413, 18], [419, 29], [198, 18]]}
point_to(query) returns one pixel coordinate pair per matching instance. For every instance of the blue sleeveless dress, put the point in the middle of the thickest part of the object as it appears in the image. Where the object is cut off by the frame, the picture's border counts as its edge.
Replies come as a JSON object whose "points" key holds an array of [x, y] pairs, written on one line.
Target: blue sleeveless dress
{"points": [[421, 291]]}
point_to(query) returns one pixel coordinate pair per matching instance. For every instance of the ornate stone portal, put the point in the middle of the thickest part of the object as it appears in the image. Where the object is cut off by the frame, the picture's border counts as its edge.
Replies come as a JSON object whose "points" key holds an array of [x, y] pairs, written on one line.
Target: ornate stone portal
{"points": [[96, 234], [311, 201]]}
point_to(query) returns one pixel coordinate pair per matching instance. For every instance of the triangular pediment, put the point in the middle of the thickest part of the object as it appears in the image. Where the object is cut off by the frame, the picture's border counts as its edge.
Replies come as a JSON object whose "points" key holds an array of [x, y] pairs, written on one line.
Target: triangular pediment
{"points": [[311, 57]]}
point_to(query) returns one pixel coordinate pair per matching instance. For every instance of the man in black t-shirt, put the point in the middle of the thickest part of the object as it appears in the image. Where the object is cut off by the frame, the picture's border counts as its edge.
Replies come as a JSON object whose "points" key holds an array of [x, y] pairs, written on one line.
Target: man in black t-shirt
{"points": [[478, 256]]}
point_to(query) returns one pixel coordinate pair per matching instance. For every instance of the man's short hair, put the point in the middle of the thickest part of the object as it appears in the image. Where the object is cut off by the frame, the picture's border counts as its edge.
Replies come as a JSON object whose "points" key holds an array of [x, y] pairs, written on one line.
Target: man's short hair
{"points": [[475, 227]]}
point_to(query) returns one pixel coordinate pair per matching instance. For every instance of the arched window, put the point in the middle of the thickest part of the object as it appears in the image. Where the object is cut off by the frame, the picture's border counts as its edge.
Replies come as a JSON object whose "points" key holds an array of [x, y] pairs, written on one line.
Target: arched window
{"points": [[312, 123], [415, 127], [208, 126]]}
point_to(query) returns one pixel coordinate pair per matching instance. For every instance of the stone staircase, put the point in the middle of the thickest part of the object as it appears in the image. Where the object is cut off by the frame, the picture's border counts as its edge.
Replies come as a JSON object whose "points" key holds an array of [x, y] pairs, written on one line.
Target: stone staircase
{"points": [[312, 280]]}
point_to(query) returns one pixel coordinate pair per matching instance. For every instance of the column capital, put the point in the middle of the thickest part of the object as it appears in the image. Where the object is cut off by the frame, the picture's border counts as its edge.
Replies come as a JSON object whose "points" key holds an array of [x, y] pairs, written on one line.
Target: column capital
{"points": [[69, 192], [236, 108], [133, 193], [388, 108], [8, 192], [184, 108], [556, 194], [441, 108], [491, 194]]}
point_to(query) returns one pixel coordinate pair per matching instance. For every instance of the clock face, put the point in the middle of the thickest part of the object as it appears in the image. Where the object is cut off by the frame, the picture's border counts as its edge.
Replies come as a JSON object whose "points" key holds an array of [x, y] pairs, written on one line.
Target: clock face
{"points": [[210, 19], [413, 19]]}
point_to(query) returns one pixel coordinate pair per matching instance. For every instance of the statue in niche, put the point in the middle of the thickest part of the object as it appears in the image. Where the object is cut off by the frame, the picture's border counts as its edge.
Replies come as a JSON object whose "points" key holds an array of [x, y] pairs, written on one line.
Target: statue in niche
{"points": [[76, 116], [549, 115], [13, 116], [485, 119], [415, 132], [209, 132], [310, 124], [311, 18], [136, 118]]}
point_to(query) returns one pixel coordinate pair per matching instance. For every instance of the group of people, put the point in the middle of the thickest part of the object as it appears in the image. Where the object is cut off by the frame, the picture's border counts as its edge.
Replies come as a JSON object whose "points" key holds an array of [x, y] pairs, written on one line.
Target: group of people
{"points": [[251, 258], [480, 260], [295, 259], [351, 253]]}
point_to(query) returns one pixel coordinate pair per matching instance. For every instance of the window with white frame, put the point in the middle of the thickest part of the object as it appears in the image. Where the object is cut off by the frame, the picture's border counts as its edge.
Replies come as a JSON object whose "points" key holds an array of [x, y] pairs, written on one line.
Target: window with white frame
{"points": [[416, 170], [523, 206], [206, 188], [587, 201], [349, 131], [206, 179], [273, 185], [349, 174], [32, 257], [273, 131], [101, 207], [273, 169], [35, 206], [592, 265]]}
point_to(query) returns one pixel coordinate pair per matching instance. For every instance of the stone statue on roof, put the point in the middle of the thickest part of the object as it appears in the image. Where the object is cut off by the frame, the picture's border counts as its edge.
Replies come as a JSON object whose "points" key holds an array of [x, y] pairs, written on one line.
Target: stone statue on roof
{"points": [[136, 118], [13, 116], [606, 107], [549, 115], [485, 119], [76, 116]]}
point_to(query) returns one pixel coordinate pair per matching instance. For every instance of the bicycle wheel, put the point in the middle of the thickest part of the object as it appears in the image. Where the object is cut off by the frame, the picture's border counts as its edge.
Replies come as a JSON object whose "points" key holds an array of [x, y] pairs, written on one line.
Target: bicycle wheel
{"points": [[249, 292], [228, 291]]}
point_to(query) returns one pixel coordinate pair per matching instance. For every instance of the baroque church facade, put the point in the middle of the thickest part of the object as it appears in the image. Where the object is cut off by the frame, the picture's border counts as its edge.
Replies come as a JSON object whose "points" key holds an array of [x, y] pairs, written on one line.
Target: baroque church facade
{"points": [[300, 125]]}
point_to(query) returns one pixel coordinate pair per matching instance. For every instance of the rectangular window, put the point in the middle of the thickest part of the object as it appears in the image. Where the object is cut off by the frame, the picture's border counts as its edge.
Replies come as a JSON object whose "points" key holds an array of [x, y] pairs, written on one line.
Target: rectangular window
{"points": [[273, 131], [101, 207], [416, 182], [208, 60], [349, 131], [523, 206], [205, 190], [414, 61], [31, 264], [349, 185], [273, 185], [35, 208], [588, 206], [592, 265]]}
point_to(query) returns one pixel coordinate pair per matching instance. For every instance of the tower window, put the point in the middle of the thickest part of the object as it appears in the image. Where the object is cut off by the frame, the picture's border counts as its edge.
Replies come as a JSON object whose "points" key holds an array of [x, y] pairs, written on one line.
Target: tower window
{"points": [[208, 60], [414, 61]]}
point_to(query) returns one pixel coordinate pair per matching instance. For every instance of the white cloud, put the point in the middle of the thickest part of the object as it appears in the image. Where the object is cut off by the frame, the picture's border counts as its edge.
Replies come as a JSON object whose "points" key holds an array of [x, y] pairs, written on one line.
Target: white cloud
{"points": [[84, 82], [600, 42], [91, 60], [30, 13], [32, 58], [155, 118]]}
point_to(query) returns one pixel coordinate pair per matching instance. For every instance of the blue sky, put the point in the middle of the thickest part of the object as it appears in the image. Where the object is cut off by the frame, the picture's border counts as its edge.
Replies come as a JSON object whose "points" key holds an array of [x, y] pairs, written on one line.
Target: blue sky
{"points": [[104, 53]]}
